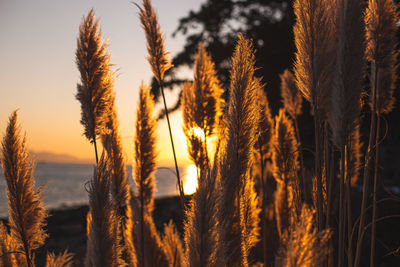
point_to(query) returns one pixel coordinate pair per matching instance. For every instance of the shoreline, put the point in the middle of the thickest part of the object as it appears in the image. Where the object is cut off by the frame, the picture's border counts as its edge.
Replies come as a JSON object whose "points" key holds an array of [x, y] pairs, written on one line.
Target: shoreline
{"points": [[67, 227]]}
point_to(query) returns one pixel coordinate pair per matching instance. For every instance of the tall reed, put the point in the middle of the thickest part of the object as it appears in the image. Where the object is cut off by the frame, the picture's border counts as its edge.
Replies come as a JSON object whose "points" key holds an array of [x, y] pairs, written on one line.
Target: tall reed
{"points": [[314, 39], [103, 241], [262, 151], [241, 124], [120, 189], [26, 211], [144, 167], [95, 87], [201, 235], [292, 103], [345, 107], [285, 166], [159, 63], [381, 20]]}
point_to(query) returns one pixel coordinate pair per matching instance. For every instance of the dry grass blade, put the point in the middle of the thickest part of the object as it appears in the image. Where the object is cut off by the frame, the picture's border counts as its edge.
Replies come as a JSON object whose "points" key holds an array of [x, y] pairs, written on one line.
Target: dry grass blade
{"points": [[27, 214], [61, 260], [95, 87], [241, 125], [158, 56]]}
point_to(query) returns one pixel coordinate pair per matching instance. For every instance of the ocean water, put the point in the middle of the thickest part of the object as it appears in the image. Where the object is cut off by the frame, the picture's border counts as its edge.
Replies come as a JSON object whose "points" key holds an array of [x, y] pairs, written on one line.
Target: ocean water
{"points": [[65, 184]]}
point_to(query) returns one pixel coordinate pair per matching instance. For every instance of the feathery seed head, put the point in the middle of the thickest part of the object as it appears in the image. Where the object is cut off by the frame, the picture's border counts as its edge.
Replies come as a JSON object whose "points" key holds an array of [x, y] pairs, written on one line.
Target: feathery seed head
{"points": [[27, 214], [207, 90], [348, 72], [314, 39], [158, 56], [103, 241], [305, 246], [60, 260], [381, 19], [285, 152], [95, 87], [265, 126], [145, 146], [291, 96]]}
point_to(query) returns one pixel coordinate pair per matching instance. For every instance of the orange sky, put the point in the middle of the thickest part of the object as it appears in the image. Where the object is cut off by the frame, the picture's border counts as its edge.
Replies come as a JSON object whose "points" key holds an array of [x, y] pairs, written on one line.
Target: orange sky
{"points": [[38, 73]]}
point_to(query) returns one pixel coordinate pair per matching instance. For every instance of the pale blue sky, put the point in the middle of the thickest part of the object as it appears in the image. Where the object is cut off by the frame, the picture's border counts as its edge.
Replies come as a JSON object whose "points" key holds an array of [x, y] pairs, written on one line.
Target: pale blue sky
{"points": [[38, 74]]}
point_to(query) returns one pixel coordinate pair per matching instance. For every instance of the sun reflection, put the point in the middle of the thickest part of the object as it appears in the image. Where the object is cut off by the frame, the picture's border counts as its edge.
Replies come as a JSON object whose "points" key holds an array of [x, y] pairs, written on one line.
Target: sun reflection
{"points": [[190, 180]]}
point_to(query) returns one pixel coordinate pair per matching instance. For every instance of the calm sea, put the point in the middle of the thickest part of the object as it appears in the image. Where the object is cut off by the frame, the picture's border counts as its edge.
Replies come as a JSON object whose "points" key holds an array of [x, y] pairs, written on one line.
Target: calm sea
{"points": [[65, 184]]}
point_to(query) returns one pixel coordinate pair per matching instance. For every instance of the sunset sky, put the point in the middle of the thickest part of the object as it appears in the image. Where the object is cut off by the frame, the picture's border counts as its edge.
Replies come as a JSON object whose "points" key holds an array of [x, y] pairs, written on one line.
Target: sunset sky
{"points": [[38, 74]]}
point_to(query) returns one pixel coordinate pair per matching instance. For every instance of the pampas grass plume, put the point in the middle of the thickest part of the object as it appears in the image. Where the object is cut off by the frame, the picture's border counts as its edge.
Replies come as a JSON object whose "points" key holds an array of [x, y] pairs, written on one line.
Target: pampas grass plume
{"points": [[7, 248], [305, 247], [314, 41], [201, 227], [348, 74], [291, 96], [172, 245], [61, 260], [27, 214], [207, 91], [95, 87], [145, 147], [381, 18], [103, 241], [241, 124], [158, 56]]}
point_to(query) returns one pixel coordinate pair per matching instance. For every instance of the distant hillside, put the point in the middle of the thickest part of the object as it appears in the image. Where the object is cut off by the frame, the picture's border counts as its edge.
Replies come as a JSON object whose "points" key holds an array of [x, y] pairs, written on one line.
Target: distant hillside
{"points": [[53, 157]]}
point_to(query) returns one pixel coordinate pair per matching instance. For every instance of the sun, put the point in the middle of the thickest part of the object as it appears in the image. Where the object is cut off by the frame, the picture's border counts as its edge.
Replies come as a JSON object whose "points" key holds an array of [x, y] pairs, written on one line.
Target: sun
{"points": [[190, 180]]}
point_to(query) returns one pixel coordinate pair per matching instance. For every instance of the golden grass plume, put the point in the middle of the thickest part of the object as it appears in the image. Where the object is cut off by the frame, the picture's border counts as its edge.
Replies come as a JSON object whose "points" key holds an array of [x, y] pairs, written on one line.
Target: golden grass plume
{"points": [[291, 96], [7, 248], [348, 72], [207, 91], [381, 18], [201, 232], [314, 39], [27, 215], [95, 87], [306, 247], [158, 56], [172, 245], [103, 241], [61, 260], [241, 124]]}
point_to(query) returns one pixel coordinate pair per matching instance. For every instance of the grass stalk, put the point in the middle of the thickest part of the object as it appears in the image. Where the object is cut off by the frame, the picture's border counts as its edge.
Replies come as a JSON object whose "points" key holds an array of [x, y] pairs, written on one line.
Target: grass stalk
{"points": [[367, 167], [374, 207], [181, 193]]}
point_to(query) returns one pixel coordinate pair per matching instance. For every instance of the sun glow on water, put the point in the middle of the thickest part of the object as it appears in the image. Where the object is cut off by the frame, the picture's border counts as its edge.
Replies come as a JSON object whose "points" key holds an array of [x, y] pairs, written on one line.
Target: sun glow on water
{"points": [[190, 180]]}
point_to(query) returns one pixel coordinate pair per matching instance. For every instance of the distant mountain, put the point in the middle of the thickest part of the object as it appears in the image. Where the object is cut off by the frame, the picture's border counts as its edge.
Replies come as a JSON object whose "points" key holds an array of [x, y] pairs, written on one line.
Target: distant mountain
{"points": [[41, 156]]}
